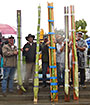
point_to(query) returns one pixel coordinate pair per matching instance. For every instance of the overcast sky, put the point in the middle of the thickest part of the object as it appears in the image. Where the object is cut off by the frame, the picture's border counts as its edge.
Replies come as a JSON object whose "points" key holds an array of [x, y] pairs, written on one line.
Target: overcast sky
{"points": [[29, 11]]}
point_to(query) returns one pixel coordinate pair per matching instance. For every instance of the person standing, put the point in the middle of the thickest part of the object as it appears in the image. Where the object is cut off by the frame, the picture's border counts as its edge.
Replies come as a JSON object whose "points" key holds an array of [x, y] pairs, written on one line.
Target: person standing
{"points": [[45, 58], [81, 47], [60, 48], [9, 52], [29, 51], [0, 59]]}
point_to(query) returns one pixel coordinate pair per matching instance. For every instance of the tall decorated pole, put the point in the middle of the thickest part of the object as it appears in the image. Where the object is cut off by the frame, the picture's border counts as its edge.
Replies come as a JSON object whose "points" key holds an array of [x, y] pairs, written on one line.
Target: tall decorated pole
{"points": [[74, 55], [52, 54], [66, 88], [88, 54], [36, 76], [19, 50], [41, 35]]}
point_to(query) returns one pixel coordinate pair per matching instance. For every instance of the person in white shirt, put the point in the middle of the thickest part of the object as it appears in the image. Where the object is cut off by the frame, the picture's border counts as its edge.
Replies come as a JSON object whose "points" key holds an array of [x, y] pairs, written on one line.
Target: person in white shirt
{"points": [[60, 61]]}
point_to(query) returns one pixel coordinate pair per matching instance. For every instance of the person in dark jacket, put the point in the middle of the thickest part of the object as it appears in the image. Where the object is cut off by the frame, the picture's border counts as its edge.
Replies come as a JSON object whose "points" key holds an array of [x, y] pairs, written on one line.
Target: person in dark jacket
{"points": [[45, 58], [29, 51]]}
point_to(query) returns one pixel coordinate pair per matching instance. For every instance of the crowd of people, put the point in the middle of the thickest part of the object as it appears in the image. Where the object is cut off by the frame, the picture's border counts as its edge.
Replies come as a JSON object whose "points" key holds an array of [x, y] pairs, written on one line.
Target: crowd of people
{"points": [[9, 53]]}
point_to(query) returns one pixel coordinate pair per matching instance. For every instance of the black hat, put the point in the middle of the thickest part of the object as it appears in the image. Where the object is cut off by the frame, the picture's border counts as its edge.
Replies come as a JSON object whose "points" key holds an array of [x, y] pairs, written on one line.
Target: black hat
{"points": [[11, 37], [29, 35]]}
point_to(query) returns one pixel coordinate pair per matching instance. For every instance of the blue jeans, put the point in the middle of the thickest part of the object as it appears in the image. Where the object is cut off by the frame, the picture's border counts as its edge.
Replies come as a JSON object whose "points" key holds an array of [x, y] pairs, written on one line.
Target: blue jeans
{"points": [[44, 71], [8, 75]]}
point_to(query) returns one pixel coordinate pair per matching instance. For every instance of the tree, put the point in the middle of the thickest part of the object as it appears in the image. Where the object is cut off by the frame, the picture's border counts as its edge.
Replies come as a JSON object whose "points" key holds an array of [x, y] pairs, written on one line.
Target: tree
{"points": [[80, 24], [83, 24], [77, 25]]}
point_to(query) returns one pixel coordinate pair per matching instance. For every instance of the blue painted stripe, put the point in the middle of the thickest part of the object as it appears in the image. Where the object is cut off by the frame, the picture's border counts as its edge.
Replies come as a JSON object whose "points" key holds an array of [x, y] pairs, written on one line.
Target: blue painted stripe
{"points": [[35, 86], [50, 20], [52, 47], [88, 43], [53, 83], [52, 66], [50, 7], [36, 77], [53, 77], [54, 91], [51, 33]]}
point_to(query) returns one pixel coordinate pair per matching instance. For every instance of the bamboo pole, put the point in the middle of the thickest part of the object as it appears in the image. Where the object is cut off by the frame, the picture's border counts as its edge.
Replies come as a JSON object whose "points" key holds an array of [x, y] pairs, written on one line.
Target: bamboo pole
{"points": [[36, 76], [19, 50], [52, 56], [66, 88], [75, 60]]}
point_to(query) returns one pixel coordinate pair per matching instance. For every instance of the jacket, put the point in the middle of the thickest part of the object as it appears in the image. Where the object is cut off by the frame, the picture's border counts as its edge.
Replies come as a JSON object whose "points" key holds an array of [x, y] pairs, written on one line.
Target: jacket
{"points": [[45, 53], [30, 55], [9, 59], [81, 54]]}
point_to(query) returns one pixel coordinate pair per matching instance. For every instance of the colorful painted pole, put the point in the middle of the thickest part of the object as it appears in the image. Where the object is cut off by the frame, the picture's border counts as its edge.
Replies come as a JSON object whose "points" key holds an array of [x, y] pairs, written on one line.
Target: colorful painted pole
{"points": [[19, 50], [52, 54], [74, 55], [66, 88], [36, 76], [88, 55], [41, 35]]}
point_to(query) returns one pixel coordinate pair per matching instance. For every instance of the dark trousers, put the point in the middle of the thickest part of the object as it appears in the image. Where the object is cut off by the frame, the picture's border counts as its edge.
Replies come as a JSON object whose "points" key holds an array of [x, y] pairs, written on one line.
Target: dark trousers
{"points": [[60, 74], [71, 76], [44, 71], [82, 76]]}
